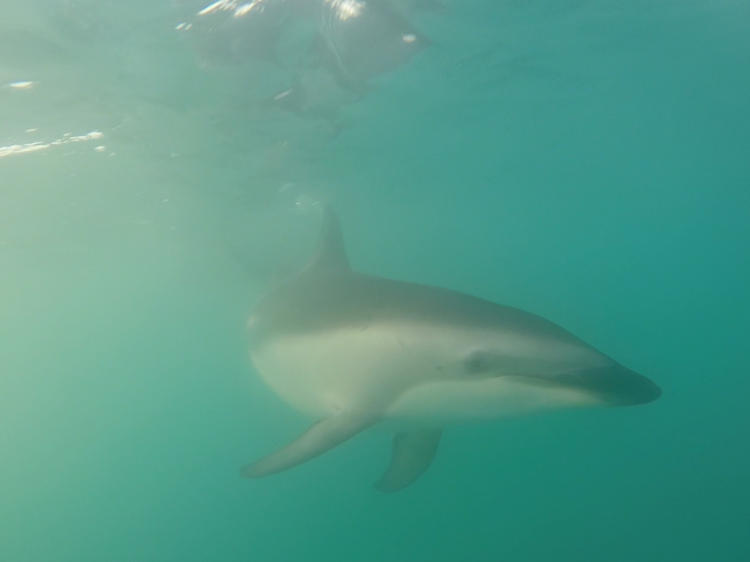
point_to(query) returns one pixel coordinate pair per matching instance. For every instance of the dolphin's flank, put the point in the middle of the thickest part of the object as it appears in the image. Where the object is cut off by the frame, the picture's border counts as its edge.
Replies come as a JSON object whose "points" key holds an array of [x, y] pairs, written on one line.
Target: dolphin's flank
{"points": [[355, 351]]}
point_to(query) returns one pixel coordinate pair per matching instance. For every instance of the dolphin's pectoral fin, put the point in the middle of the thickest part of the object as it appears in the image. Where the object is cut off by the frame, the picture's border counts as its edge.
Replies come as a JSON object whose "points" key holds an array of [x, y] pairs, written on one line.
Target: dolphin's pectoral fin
{"points": [[321, 437], [413, 452]]}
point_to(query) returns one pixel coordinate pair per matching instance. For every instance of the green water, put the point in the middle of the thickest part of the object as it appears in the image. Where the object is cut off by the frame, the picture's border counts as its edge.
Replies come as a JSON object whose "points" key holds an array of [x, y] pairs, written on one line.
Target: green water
{"points": [[588, 161]]}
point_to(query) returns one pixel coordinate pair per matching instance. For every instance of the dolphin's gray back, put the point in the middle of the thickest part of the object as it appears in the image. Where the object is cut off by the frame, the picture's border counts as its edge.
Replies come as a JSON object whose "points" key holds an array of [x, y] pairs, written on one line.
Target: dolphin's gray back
{"points": [[330, 299]]}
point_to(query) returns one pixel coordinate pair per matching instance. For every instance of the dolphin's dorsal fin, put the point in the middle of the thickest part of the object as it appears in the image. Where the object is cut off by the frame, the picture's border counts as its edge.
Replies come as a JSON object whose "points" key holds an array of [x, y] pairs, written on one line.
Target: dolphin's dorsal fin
{"points": [[331, 253]]}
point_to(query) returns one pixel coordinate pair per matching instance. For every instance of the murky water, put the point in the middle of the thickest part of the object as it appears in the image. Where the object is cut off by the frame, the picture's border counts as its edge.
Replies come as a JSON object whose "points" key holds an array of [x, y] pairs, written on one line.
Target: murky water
{"points": [[162, 163]]}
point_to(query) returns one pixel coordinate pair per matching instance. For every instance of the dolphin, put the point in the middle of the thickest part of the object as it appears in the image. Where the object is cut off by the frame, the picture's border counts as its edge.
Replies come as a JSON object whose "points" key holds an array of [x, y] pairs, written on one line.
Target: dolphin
{"points": [[354, 351]]}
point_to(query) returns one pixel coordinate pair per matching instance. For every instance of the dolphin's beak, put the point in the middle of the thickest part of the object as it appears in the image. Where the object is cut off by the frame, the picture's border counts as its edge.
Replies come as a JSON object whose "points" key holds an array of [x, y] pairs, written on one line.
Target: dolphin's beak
{"points": [[615, 385]]}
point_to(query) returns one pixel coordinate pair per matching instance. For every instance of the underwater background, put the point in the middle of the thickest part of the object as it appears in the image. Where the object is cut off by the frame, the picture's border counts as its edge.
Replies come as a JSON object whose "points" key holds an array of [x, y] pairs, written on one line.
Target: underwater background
{"points": [[162, 162]]}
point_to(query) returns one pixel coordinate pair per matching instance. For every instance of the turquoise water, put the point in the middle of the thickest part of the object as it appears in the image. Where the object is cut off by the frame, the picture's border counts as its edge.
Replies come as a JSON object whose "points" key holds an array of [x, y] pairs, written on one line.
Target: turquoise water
{"points": [[588, 161]]}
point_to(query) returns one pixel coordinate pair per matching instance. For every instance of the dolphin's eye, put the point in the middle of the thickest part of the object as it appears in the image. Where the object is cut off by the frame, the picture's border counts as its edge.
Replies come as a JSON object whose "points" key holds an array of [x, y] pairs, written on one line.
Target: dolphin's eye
{"points": [[478, 362]]}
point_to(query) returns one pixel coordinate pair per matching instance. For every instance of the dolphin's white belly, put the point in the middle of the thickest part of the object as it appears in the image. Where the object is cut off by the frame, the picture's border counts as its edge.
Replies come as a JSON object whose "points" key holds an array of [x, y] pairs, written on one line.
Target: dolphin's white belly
{"points": [[323, 372], [412, 375]]}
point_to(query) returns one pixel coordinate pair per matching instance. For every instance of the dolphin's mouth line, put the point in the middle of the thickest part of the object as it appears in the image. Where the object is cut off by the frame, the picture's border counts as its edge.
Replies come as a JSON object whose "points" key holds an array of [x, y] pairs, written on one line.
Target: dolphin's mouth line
{"points": [[624, 389]]}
